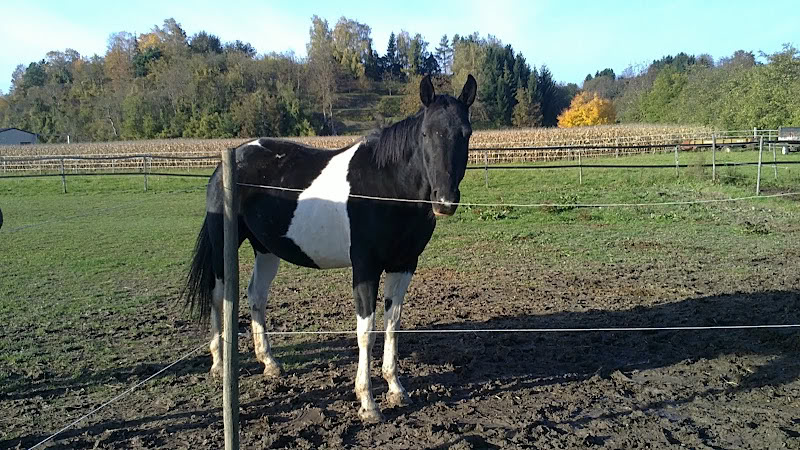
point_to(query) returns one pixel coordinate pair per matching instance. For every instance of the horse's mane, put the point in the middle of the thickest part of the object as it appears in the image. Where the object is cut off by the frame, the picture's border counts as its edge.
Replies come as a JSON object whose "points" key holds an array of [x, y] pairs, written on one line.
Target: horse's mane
{"points": [[391, 144]]}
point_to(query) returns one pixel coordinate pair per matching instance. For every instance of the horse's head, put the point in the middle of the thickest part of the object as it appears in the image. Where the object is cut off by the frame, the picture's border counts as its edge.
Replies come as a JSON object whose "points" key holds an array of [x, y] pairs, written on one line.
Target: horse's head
{"points": [[445, 140]]}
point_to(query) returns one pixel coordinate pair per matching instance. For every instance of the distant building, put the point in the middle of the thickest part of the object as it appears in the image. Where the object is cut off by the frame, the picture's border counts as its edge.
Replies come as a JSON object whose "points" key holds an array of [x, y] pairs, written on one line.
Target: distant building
{"points": [[15, 136]]}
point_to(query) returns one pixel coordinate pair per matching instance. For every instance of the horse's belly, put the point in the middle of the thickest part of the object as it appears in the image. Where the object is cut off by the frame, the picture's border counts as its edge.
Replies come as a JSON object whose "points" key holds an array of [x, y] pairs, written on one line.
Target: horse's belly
{"points": [[320, 226]]}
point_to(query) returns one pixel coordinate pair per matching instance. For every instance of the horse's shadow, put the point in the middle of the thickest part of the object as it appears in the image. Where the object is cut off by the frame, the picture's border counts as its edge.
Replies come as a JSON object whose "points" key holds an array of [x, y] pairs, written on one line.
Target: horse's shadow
{"points": [[495, 360]]}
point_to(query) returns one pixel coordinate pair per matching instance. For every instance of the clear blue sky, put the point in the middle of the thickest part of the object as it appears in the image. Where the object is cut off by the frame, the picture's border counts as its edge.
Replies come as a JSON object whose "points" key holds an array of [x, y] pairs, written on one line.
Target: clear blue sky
{"points": [[572, 37]]}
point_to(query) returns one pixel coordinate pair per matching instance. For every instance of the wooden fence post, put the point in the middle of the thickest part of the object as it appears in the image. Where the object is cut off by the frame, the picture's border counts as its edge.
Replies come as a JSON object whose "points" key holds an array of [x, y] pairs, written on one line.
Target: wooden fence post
{"points": [[713, 158], [580, 168], [144, 169], [758, 177], [774, 160], [63, 177], [230, 354], [676, 160], [486, 167]]}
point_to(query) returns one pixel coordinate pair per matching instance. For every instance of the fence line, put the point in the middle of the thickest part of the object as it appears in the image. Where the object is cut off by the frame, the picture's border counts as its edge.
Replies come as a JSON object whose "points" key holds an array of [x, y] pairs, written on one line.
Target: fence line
{"points": [[472, 167], [535, 205], [106, 174], [628, 166], [117, 397], [498, 154], [534, 330]]}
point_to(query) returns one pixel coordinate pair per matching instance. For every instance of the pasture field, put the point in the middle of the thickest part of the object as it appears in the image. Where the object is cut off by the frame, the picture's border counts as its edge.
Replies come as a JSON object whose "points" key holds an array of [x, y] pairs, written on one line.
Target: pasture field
{"points": [[89, 306]]}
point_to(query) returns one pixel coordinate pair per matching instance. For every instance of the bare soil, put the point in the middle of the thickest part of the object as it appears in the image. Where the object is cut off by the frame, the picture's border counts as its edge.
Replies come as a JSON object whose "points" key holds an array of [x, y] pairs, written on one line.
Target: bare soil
{"points": [[628, 389]]}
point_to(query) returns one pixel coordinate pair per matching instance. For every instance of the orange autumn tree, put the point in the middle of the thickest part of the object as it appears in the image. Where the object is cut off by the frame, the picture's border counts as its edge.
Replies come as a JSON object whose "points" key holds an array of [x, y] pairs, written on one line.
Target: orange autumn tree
{"points": [[587, 109]]}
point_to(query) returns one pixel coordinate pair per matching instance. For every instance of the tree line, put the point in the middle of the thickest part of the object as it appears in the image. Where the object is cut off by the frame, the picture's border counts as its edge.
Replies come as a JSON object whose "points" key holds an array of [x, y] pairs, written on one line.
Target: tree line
{"points": [[165, 84], [741, 91]]}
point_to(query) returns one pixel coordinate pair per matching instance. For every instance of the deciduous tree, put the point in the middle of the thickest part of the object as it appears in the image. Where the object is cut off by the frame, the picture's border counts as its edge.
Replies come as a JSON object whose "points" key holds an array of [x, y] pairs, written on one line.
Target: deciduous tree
{"points": [[587, 109]]}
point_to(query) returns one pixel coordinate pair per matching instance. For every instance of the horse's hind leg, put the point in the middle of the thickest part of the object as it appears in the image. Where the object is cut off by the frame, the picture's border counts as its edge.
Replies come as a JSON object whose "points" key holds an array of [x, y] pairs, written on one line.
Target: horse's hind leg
{"points": [[216, 327], [393, 292], [264, 271]]}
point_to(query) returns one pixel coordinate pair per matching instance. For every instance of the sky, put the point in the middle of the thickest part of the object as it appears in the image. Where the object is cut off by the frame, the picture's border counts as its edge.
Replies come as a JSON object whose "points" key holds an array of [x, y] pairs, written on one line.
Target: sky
{"points": [[573, 38]]}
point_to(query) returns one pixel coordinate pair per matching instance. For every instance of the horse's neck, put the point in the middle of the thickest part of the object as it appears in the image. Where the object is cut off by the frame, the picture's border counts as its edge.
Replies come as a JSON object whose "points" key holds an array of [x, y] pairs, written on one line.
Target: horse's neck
{"points": [[401, 178]]}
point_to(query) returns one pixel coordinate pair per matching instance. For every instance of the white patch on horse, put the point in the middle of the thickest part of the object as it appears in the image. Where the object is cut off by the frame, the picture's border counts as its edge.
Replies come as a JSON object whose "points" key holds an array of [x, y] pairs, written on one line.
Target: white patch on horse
{"points": [[216, 326], [394, 290], [256, 142], [364, 327], [264, 271], [320, 225]]}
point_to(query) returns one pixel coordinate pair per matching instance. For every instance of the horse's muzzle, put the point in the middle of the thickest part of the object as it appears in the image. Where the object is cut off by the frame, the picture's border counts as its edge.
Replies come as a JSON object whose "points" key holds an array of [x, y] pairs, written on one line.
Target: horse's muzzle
{"points": [[444, 207]]}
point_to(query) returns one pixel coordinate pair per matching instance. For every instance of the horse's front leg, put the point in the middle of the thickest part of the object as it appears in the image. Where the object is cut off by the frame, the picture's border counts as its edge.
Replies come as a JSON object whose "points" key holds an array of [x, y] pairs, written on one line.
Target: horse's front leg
{"points": [[393, 292], [365, 292]]}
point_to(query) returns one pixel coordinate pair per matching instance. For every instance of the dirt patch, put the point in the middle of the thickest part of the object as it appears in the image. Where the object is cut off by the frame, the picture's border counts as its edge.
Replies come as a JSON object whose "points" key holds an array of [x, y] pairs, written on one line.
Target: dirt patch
{"points": [[656, 389]]}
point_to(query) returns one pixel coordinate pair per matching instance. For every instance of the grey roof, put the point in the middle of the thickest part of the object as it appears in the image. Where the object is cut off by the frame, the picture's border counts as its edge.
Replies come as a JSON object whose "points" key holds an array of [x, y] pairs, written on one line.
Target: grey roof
{"points": [[15, 128]]}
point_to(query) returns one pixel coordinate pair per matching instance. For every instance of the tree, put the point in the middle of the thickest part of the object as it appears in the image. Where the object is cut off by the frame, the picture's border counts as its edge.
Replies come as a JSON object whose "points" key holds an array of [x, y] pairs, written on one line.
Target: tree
{"points": [[417, 54], [605, 73], [740, 58], [391, 50], [203, 42], [657, 105], [444, 55], [323, 68], [430, 66], [522, 71], [35, 75], [526, 113], [119, 58], [403, 42], [469, 54], [587, 109], [352, 46], [549, 96], [240, 47], [604, 84]]}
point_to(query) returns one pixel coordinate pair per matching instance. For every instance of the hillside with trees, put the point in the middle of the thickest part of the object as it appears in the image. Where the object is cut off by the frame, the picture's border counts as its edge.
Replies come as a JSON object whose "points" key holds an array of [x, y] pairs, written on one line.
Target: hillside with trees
{"points": [[167, 84], [736, 92]]}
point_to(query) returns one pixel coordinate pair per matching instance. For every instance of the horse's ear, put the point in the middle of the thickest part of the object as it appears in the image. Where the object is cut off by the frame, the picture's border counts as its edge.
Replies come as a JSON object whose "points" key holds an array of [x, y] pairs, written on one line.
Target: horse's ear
{"points": [[426, 90], [468, 93]]}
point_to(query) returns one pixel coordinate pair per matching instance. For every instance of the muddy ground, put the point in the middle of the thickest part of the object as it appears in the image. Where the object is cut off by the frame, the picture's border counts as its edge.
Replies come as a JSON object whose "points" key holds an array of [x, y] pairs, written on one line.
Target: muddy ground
{"points": [[660, 389]]}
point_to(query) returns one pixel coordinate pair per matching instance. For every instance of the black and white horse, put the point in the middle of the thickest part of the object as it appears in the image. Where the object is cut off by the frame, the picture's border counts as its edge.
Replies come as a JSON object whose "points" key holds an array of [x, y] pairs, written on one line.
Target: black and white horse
{"points": [[323, 224]]}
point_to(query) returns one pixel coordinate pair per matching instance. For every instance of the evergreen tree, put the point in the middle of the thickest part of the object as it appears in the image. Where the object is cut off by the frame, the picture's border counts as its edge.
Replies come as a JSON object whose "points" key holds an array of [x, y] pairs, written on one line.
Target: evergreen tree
{"points": [[549, 97], [526, 113], [444, 55], [391, 51]]}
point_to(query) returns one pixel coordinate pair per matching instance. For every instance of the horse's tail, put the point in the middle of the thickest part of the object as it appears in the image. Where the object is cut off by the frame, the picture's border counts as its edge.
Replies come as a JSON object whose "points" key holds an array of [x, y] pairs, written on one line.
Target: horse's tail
{"points": [[201, 278]]}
